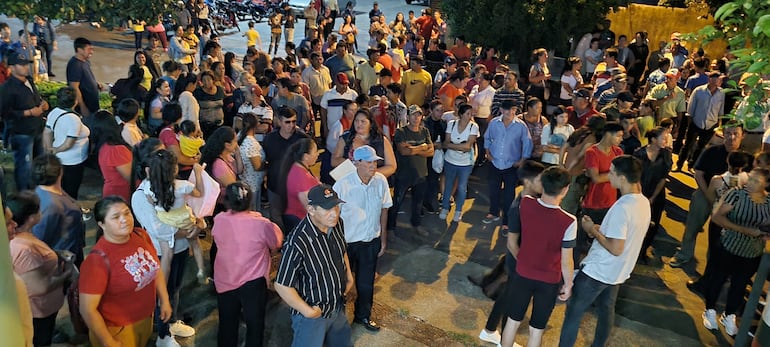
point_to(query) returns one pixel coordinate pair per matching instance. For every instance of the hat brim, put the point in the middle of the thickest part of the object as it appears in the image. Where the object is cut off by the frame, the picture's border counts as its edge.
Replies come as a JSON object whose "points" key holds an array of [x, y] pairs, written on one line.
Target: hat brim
{"points": [[22, 62], [328, 204]]}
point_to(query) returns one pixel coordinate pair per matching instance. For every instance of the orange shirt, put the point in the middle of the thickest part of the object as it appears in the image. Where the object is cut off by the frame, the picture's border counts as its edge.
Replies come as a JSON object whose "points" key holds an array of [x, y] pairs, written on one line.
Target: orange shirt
{"points": [[451, 92]]}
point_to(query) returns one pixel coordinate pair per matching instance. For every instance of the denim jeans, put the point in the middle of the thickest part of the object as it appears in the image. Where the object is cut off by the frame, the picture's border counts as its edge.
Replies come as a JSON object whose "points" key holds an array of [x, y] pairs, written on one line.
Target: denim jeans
{"points": [[461, 173], [24, 147], [508, 179], [587, 291], [317, 332], [363, 265], [256, 201], [700, 210]]}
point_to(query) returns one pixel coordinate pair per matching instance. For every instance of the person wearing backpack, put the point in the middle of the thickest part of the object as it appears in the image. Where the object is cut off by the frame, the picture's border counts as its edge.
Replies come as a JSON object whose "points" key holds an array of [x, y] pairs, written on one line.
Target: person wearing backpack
{"points": [[66, 136]]}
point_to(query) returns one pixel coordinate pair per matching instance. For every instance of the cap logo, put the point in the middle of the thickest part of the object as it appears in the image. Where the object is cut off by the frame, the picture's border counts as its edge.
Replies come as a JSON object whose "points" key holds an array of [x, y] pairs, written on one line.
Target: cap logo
{"points": [[328, 193]]}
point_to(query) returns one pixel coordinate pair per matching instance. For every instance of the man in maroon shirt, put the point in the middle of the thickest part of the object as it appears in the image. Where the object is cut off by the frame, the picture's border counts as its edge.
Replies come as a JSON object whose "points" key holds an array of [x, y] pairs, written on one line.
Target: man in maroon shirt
{"points": [[544, 258]]}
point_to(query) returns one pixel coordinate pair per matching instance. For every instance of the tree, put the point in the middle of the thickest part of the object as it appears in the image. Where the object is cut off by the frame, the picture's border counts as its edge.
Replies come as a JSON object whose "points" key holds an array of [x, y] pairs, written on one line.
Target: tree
{"points": [[745, 25], [518, 27]]}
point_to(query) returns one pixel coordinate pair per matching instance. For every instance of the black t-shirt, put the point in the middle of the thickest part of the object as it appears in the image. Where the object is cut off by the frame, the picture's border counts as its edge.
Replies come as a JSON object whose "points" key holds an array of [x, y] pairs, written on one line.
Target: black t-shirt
{"points": [[630, 145], [411, 166], [712, 161], [15, 99], [80, 71], [275, 147]]}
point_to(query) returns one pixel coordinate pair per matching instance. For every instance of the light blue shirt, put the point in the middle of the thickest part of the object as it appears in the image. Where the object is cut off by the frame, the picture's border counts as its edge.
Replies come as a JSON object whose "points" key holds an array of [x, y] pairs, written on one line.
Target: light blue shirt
{"points": [[706, 108], [508, 144]]}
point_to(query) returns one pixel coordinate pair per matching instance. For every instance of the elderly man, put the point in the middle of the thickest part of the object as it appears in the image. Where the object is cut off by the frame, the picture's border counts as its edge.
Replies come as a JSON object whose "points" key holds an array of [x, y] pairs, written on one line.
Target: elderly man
{"points": [[365, 212], [706, 107], [314, 275]]}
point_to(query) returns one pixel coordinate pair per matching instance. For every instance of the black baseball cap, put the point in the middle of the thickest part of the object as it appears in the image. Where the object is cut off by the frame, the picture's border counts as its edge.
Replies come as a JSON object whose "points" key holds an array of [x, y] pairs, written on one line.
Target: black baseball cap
{"points": [[324, 196], [18, 59]]}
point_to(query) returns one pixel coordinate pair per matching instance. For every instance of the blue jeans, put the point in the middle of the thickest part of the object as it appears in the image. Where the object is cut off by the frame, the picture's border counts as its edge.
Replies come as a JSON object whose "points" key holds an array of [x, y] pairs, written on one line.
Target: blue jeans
{"points": [[507, 178], [461, 173], [24, 147], [256, 201], [587, 291], [317, 332]]}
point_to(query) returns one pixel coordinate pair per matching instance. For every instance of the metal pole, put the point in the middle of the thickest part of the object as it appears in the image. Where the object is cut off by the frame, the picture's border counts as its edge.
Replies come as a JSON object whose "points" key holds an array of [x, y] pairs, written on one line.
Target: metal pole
{"points": [[742, 339], [10, 322]]}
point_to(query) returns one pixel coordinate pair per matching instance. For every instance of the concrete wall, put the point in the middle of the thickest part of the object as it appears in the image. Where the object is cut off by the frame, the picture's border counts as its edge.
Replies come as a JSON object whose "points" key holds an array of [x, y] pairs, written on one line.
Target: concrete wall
{"points": [[659, 22]]}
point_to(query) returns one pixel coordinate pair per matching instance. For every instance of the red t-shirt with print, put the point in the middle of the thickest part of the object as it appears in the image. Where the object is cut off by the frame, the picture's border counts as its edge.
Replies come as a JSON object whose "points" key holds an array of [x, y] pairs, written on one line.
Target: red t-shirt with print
{"points": [[124, 275]]}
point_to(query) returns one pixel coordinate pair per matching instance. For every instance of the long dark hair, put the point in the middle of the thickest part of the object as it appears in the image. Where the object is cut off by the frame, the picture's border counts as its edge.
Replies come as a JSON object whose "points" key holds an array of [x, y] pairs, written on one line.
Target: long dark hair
{"points": [[105, 130], [100, 211], [182, 82], [150, 63], [250, 122], [151, 95], [374, 130], [215, 145], [229, 58], [294, 155], [162, 175], [142, 152]]}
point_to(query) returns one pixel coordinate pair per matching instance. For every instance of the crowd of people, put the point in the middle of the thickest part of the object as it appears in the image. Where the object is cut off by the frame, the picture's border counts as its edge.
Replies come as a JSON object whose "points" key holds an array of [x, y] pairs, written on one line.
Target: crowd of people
{"points": [[199, 143]]}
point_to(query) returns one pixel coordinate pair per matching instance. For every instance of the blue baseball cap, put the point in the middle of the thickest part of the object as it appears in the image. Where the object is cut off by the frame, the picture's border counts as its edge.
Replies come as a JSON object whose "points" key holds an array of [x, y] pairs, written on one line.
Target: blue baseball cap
{"points": [[366, 153]]}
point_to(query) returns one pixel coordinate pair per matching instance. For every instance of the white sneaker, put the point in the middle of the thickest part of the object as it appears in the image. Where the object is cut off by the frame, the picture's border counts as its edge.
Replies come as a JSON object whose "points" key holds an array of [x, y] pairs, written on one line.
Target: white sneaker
{"points": [[458, 217], [180, 329], [710, 320], [167, 341], [491, 338], [443, 214], [729, 322]]}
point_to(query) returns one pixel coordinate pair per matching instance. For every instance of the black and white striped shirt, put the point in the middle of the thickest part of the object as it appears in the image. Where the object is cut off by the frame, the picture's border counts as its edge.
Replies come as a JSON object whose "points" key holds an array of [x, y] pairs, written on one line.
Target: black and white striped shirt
{"points": [[313, 263], [747, 213]]}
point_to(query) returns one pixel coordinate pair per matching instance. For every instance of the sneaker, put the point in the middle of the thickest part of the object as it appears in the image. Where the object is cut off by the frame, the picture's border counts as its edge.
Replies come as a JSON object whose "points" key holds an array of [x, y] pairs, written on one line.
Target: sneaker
{"points": [[443, 214], [421, 231], [180, 329], [202, 278], [677, 262], [167, 341], [490, 218], [729, 322], [489, 337], [458, 217], [710, 320]]}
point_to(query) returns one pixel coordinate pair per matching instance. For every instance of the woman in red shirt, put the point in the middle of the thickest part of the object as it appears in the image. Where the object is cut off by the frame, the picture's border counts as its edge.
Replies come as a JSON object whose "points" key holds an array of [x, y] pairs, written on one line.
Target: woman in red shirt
{"points": [[114, 155], [120, 279]]}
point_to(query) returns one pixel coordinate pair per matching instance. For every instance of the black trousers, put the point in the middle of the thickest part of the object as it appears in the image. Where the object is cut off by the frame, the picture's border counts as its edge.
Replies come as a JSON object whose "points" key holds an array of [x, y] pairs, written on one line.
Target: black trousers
{"points": [[680, 125], [43, 330], [72, 178], [173, 286], [47, 50], [498, 313], [722, 265], [703, 135], [138, 39], [247, 302], [363, 265], [418, 186], [657, 207]]}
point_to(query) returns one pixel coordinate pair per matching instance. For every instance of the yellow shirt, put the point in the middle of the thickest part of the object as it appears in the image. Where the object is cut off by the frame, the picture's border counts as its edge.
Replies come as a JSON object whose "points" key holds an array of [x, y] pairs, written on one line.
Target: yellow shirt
{"points": [[146, 78], [138, 26], [415, 86], [251, 37]]}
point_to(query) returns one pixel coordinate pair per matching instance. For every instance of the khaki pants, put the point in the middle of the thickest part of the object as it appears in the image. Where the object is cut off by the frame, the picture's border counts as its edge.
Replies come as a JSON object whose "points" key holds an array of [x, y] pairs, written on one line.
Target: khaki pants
{"points": [[134, 335]]}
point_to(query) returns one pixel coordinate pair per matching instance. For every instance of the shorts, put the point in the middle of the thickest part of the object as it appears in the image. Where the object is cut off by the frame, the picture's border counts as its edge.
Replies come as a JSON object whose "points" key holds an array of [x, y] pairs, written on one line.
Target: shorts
{"points": [[543, 296]]}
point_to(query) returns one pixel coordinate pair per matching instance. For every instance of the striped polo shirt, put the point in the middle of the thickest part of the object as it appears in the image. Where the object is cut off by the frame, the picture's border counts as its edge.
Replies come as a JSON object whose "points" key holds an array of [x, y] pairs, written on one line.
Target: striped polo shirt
{"points": [[313, 263], [747, 213]]}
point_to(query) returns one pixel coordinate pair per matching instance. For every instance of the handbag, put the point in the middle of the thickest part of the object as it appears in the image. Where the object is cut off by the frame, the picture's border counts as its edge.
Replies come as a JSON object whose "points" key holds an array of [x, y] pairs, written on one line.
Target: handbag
{"points": [[438, 159]]}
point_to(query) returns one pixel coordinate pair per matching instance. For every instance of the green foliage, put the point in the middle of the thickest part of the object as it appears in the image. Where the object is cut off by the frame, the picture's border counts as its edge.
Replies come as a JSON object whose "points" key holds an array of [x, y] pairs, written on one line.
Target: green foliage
{"points": [[518, 27], [48, 91], [745, 25], [97, 10], [106, 11]]}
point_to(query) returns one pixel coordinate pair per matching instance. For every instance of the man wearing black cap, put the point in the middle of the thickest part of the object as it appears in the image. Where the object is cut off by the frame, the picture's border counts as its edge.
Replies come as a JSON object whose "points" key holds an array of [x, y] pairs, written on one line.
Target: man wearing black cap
{"points": [[22, 108], [314, 275], [623, 103], [582, 109], [705, 107]]}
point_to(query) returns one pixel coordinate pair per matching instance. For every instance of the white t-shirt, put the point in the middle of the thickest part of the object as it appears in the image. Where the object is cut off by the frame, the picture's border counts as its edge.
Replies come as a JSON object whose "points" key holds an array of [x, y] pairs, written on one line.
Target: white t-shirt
{"points": [[66, 124], [181, 189], [482, 101], [332, 101], [572, 81], [556, 137], [455, 136], [190, 107], [628, 219], [147, 216]]}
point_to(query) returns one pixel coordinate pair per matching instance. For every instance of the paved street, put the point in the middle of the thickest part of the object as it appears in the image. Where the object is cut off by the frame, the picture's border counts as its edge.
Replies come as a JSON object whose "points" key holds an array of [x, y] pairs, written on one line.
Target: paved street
{"points": [[422, 293]]}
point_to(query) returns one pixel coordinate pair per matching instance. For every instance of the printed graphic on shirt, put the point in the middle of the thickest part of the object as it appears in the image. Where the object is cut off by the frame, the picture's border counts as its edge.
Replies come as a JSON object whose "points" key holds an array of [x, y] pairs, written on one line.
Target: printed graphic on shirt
{"points": [[142, 267]]}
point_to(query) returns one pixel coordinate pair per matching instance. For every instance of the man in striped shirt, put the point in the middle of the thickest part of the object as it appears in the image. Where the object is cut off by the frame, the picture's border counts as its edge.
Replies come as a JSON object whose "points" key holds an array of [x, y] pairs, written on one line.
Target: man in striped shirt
{"points": [[509, 91], [314, 275]]}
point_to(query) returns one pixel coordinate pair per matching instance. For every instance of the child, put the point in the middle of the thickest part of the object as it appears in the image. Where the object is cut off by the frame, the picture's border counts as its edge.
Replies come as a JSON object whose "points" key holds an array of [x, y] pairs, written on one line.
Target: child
{"points": [[191, 140], [668, 124], [168, 195], [128, 113], [554, 138]]}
